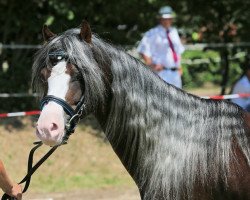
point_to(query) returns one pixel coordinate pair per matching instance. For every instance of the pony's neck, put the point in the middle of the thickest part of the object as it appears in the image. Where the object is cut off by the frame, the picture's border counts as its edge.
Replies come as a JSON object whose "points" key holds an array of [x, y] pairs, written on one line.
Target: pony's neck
{"points": [[120, 138], [163, 135], [131, 88]]}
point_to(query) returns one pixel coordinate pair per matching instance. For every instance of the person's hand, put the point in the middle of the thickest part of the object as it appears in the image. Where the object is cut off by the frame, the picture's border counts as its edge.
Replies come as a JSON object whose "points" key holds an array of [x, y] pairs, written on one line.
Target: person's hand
{"points": [[16, 191], [157, 67], [180, 71]]}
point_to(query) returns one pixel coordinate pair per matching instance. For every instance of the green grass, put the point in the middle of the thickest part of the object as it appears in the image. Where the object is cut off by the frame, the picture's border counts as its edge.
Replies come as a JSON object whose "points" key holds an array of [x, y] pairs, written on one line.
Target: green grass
{"points": [[86, 162], [45, 183], [189, 54]]}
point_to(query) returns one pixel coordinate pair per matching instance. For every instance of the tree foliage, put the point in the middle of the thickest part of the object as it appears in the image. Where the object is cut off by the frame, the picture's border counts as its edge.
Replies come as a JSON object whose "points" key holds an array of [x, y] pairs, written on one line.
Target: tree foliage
{"points": [[121, 22]]}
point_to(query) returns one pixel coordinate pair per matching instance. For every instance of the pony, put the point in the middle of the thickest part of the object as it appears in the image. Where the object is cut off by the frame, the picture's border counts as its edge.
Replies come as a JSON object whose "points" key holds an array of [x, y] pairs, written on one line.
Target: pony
{"points": [[175, 145]]}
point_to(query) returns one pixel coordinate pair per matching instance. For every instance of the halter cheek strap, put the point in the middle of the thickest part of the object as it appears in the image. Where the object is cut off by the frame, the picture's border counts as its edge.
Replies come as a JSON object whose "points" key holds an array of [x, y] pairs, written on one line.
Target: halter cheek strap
{"points": [[74, 115]]}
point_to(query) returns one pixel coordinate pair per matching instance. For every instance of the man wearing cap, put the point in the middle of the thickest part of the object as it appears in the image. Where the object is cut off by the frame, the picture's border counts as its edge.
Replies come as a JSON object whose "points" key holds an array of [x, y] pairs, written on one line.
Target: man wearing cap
{"points": [[161, 48]]}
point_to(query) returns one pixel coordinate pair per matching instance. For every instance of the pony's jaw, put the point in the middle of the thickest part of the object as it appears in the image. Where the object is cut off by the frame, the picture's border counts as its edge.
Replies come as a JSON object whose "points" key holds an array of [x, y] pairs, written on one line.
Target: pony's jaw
{"points": [[51, 123]]}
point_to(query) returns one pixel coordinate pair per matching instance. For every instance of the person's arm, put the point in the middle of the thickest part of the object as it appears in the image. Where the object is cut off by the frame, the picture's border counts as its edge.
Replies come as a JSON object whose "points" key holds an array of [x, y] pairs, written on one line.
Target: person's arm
{"points": [[148, 61], [10, 188], [144, 50]]}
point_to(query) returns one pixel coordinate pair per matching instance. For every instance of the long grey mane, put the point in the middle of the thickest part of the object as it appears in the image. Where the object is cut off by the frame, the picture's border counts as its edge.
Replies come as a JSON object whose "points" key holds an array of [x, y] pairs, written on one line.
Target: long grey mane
{"points": [[169, 138]]}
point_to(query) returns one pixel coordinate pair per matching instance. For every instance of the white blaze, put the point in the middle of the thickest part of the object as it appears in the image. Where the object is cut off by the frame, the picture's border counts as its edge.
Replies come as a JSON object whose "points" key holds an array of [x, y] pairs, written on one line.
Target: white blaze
{"points": [[51, 123], [58, 82]]}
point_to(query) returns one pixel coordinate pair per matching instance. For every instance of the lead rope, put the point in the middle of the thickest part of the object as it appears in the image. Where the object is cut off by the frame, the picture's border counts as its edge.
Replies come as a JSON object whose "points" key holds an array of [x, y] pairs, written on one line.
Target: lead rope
{"points": [[69, 127], [31, 168]]}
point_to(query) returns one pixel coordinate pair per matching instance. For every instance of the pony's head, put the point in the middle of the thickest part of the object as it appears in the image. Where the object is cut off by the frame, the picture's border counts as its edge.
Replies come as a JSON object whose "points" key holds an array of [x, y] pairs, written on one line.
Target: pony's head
{"points": [[65, 69]]}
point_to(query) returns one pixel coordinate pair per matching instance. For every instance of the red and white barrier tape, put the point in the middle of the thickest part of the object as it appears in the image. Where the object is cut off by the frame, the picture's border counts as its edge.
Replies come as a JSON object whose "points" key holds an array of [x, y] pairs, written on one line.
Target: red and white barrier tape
{"points": [[7, 95], [218, 97], [229, 96], [17, 114]]}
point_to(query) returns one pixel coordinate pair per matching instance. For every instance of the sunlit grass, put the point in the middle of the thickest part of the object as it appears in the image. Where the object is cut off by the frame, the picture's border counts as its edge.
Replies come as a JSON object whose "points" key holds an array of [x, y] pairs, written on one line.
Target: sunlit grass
{"points": [[85, 162], [84, 180]]}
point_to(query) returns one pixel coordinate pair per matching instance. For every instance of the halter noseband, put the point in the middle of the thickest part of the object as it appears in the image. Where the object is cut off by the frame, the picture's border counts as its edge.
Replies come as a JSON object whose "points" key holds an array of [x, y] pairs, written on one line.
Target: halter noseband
{"points": [[74, 114]]}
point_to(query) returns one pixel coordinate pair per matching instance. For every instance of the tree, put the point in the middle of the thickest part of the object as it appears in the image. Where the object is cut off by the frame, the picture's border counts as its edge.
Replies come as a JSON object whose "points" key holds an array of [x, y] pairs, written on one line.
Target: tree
{"points": [[121, 22]]}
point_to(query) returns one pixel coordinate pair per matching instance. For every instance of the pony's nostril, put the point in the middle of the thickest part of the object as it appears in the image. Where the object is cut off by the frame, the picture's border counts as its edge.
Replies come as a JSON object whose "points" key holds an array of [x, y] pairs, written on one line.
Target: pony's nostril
{"points": [[53, 127]]}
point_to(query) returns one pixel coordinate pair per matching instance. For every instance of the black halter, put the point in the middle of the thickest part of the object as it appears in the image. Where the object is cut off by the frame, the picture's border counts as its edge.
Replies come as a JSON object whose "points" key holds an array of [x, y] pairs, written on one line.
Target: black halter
{"points": [[74, 115]]}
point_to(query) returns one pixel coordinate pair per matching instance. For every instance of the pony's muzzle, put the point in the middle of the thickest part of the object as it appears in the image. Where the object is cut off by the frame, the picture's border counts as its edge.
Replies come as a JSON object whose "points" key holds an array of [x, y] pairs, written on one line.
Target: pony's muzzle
{"points": [[50, 125]]}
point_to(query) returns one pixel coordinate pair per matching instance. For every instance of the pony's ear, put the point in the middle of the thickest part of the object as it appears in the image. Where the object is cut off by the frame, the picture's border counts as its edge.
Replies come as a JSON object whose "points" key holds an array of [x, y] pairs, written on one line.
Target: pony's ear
{"points": [[47, 34], [85, 33]]}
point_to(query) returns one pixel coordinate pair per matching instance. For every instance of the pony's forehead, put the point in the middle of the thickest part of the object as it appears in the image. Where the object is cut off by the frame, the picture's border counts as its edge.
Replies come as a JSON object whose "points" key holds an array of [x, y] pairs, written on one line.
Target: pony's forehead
{"points": [[64, 41], [54, 44], [72, 33]]}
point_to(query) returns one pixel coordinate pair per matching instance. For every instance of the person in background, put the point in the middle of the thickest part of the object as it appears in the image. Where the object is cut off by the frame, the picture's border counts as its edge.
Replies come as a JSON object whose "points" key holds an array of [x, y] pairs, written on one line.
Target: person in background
{"points": [[161, 48], [10, 188], [243, 86]]}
